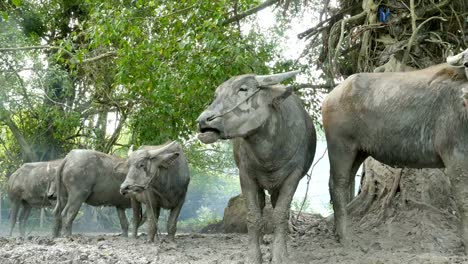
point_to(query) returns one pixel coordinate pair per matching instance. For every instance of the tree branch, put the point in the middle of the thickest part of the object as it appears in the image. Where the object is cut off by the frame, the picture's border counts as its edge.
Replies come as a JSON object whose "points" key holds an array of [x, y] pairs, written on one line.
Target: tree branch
{"points": [[27, 48], [102, 56], [74, 59], [313, 86], [249, 12], [28, 153], [413, 37], [323, 24]]}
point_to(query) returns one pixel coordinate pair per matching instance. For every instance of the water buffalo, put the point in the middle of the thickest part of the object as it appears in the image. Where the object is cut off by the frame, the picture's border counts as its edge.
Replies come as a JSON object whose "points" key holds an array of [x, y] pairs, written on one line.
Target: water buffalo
{"points": [[92, 177], [274, 145], [28, 187], [416, 119], [161, 173]]}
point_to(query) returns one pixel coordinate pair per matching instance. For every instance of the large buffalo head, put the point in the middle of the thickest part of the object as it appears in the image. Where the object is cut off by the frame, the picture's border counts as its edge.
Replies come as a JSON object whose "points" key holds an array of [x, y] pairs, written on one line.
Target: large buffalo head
{"points": [[242, 104], [145, 165]]}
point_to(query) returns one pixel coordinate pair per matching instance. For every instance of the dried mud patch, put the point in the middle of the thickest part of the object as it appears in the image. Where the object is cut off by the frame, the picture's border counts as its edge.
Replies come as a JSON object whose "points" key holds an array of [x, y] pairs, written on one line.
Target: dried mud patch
{"points": [[311, 241]]}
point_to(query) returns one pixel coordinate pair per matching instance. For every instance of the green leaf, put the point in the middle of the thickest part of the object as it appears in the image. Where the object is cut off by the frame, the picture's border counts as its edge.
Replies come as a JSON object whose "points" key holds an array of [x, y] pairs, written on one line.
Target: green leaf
{"points": [[5, 16], [17, 3]]}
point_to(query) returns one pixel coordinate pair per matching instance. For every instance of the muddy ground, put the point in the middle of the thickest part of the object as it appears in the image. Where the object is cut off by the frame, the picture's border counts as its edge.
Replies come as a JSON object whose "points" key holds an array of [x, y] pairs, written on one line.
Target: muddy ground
{"points": [[310, 241]]}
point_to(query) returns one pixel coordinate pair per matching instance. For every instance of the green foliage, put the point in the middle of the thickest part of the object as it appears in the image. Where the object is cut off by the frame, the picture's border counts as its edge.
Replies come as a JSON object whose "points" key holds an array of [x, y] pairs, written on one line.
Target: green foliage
{"points": [[171, 58], [205, 216], [297, 205], [212, 191], [153, 64]]}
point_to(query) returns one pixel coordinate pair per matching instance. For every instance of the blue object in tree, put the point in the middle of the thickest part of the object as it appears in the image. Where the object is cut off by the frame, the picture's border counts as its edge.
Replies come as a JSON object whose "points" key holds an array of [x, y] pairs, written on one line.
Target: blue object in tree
{"points": [[384, 14]]}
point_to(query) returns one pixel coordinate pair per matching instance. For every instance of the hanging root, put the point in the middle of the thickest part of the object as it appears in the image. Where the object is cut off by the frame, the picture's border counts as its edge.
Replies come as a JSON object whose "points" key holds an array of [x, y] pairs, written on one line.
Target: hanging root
{"points": [[396, 183]]}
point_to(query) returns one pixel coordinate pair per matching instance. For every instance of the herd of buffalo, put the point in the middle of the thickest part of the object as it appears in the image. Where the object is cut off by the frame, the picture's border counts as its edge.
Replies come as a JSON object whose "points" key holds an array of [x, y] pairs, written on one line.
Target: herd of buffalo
{"points": [[416, 119]]}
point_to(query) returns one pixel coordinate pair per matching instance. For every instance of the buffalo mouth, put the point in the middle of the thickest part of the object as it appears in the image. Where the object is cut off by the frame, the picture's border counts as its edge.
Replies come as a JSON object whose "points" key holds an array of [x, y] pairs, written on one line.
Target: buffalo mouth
{"points": [[209, 135], [132, 190]]}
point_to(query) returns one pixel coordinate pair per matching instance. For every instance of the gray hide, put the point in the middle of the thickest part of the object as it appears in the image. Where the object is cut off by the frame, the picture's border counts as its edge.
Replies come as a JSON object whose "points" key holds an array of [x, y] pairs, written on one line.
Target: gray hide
{"points": [[412, 119], [274, 145], [94, 178], [28, 187], [161, 175]]}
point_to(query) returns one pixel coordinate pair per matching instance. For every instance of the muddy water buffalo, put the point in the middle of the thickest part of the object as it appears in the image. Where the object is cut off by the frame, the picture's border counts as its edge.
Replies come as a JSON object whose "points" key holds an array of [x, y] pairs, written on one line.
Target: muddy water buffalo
{"points": [[274, 145], [161, 174], [415, 119], [28, 187], [94, 178]]}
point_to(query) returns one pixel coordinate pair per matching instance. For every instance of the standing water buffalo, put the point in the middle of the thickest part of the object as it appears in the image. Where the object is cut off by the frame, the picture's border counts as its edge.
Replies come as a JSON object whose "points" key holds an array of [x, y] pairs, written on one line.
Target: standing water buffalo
{"points": [[415, 119], [92, 177], [160, 173], [274, 146], [28, 187]]}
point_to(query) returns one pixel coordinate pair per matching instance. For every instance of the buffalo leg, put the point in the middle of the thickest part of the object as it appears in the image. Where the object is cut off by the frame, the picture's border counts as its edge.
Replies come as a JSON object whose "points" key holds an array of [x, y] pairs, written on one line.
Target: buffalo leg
{"points": [[360, 157], [458, 174], [341, 163], [75, 199], [61, 200], [250, 191], [274, 197], [153, 218], [123, 221], [15, 206], [172, 221], [23, 218], [137, 217], [281, 217]]}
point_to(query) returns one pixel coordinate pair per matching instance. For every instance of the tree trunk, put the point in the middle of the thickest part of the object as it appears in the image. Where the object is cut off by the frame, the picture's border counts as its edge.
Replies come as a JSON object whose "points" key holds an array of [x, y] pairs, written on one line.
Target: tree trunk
{"points": [[41, 219], [396, 204], [26, 150], [1, 200], [100, 130]]}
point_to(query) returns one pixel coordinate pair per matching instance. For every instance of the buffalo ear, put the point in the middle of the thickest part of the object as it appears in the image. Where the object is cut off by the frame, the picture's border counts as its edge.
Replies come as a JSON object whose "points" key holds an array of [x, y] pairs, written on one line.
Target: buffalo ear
{"points": [[168, 159], [281, 93]]}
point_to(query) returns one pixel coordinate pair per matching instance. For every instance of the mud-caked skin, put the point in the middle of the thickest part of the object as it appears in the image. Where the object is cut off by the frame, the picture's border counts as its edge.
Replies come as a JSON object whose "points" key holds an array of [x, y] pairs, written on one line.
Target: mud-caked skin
{"points": [[159, 176], [415, 119], [274, 145], [92, 177], [28, 187]]}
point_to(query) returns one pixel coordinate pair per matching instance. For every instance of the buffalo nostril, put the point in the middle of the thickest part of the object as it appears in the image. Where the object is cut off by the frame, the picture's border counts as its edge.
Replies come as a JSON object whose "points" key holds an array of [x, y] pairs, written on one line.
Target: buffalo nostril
{"points": [[204, 118], [210, 118]]}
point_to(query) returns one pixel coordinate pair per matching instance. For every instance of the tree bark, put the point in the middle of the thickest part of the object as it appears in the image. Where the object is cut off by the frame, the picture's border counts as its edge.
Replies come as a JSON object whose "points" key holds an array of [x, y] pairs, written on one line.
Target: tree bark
{"points": [[395, 204], [1, 200], [249, 12], [41, 220], [28, 153]]}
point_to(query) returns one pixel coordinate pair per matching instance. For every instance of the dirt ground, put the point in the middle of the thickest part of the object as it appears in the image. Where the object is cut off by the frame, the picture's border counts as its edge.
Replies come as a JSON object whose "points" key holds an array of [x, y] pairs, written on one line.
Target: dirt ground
{"points": [[311, 241]]}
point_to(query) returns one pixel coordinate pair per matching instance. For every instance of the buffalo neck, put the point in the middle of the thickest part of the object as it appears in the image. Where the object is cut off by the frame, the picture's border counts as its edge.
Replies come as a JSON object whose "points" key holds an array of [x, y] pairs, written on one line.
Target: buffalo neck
{"points": [[276, 141]]}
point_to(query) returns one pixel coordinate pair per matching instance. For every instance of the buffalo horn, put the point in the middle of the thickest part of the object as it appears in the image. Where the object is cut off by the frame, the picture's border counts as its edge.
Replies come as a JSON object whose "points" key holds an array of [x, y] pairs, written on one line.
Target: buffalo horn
{"points": [[456, 60], [265, 80], [154, 152]]}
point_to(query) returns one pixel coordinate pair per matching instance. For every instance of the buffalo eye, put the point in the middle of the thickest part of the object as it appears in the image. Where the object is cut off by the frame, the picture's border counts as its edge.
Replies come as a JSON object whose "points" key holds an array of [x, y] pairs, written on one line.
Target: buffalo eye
{"points": [[243, 88], [141, 165]]}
